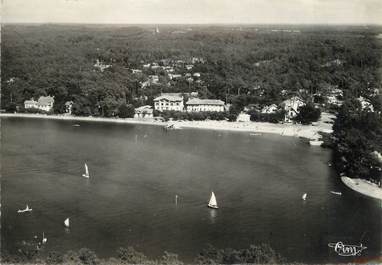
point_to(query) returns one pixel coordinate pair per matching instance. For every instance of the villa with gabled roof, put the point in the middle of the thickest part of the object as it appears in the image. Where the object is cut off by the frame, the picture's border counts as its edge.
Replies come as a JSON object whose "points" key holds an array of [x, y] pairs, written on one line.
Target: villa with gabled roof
{"points": [[43, 103], [169, 102]]}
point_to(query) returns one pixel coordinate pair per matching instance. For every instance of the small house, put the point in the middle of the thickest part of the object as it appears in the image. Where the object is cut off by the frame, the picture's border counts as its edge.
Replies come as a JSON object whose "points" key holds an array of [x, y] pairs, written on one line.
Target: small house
{"points": [[154, 79], [366, 104], [270, 109], [291, 107], [243, 117], [46, 103], [136, 71], [144, 112], [30, 104], [68, 107]]}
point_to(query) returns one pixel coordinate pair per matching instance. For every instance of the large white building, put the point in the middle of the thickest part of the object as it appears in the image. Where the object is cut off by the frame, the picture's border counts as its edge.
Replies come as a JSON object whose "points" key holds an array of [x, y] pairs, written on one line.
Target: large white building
{"points": [[43, 103], [199, 105], [169, 102]]}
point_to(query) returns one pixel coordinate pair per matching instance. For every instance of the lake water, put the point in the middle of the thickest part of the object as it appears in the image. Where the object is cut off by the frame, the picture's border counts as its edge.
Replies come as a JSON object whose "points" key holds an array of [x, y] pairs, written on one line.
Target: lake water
{"points": [[137, 170]]}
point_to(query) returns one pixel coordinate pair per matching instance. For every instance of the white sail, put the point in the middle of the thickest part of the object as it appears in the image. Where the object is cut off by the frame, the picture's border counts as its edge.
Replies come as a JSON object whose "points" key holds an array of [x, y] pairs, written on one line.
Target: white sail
{"points": [[66, 222], [86, 170], [86, 175], [44, 239], [304, 196], [213, 202]]}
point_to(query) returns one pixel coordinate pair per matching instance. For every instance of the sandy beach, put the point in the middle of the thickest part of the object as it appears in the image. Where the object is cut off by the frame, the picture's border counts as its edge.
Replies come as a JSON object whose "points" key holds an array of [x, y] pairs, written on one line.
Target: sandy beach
{"points": [[364, 187], [286, 129]]}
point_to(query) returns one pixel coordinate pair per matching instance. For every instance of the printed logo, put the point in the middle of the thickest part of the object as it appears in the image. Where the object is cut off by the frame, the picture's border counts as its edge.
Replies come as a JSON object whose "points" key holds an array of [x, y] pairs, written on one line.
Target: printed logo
{"points": [[347, 250]]}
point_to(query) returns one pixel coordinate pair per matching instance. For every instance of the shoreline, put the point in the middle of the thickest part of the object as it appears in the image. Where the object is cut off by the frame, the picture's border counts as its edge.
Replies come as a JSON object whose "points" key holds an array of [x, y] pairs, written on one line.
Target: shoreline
{"points": [[363, 186], [310, 132]]}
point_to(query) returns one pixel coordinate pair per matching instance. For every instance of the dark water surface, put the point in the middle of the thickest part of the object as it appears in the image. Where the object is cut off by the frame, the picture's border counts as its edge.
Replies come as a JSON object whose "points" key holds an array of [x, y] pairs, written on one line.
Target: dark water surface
{"points": [[137, 170]]}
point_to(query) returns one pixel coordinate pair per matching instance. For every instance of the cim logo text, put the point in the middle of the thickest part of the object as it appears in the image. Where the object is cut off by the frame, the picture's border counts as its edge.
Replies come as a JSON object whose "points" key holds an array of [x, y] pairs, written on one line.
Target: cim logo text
{"points": [[347, 250]]}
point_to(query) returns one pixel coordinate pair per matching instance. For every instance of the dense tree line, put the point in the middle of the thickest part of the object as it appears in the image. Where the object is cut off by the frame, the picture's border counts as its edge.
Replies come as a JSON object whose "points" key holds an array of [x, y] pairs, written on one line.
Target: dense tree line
{"points": [[254, 254], [251, 66], [357, 134]]}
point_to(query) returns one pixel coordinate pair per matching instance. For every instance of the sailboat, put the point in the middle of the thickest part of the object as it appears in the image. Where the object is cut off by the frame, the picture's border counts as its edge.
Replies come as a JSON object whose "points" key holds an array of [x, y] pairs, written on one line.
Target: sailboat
{"points": [[66, 222], [86, 175], [44, 239], [213, 204], [27, 209], [304, 196]]}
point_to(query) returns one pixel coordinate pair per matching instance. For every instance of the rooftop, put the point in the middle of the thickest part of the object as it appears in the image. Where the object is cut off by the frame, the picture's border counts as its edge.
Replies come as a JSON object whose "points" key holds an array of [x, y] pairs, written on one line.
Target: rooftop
{"points": [[145, 107], [197, 101], [45, 100], [30, 101], [169, 98]]}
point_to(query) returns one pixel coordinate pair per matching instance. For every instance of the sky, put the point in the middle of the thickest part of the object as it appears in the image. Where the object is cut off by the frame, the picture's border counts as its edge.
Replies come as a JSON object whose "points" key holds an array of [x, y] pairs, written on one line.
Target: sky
{"points": [[193, 11]]}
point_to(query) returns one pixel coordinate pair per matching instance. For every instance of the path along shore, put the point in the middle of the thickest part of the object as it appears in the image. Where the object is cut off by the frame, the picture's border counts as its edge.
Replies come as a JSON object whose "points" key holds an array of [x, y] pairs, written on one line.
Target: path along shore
{"points": [[286, 129]]}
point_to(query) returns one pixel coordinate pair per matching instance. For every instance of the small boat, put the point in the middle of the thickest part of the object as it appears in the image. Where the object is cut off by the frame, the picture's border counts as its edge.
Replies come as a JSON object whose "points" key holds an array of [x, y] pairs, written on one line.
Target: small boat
{"points": [[336, 192], [27, 209], [66, 222], [171, 126], [176, 199], [304, 196], [44, 239], [86, 175], [212, 203], [76, 125]]}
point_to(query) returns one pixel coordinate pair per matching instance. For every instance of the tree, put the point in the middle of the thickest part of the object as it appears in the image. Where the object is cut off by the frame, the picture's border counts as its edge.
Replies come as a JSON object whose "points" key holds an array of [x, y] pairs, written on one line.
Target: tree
{"points": [[131, 256], [308, 114], [126, 111], [54, 257], [255, 254], [170, 259], [87, 256]]}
